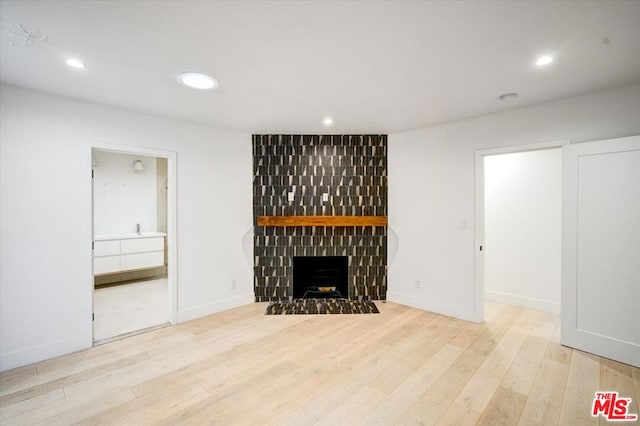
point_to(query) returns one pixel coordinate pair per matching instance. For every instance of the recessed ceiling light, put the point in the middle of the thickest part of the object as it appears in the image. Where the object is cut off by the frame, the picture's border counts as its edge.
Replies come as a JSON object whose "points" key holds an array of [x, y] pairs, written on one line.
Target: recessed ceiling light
{"points": [[75, 63], [198, 80], [544, 60], [327, 121]]}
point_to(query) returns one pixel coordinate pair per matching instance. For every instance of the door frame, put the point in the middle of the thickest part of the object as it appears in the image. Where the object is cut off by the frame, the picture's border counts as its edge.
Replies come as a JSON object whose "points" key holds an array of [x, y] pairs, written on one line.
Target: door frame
{"points": [[172, 238], [480, 212]]}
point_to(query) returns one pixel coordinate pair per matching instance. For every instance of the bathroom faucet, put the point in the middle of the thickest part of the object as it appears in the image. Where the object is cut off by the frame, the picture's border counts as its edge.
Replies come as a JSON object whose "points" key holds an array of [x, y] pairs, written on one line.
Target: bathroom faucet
{"points": [[138, 228]]}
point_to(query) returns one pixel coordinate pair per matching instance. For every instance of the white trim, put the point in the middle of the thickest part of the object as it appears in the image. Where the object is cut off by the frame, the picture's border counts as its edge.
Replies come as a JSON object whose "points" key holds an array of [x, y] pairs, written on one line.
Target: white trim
{"points": [[527, 302], [523, 148], [131, 150], [431, 306], [172, 228], [30, 355], [172, 235], [479, 238], [92, 277], [212, 308], [479, 211]]}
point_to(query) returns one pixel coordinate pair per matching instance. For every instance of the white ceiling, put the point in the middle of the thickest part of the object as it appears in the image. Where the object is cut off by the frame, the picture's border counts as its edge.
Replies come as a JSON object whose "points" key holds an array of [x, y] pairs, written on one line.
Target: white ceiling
{"points": [[375, 67]]}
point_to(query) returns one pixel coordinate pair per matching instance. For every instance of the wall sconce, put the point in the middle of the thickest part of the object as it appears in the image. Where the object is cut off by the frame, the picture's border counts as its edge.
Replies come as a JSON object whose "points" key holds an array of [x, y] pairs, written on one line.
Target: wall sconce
{"points": [[138, 166]]}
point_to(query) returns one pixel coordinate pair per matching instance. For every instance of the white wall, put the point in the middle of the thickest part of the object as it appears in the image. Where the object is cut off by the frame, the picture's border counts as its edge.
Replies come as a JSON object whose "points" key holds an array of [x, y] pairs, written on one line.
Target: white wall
{"points": [[45, 217], [431, 188], [123, 197], [522, 259]]}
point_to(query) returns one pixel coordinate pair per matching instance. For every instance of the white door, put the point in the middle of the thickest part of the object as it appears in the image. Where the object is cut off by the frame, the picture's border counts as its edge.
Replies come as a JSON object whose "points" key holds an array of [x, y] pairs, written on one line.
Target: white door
{"points": [[601, 248]]}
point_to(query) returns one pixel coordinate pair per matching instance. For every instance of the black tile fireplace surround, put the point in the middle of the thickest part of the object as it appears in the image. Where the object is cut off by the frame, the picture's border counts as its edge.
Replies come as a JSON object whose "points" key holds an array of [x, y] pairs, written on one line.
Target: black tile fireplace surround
{"points": [[352, 171]]}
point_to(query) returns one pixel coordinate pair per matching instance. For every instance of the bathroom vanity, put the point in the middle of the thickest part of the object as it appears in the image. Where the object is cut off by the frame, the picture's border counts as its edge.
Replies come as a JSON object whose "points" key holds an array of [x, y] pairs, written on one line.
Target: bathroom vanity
{"points": [[129, 252]]}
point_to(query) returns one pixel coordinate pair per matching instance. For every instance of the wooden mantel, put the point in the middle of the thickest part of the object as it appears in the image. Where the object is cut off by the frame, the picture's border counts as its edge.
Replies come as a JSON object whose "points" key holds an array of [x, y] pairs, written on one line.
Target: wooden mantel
{"points": [[322, 220]]}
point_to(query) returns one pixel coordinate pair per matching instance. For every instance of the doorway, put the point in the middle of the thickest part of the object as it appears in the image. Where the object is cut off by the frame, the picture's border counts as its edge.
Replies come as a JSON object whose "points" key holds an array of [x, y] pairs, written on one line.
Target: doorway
{"points": [[133, 214], [518, 232]]}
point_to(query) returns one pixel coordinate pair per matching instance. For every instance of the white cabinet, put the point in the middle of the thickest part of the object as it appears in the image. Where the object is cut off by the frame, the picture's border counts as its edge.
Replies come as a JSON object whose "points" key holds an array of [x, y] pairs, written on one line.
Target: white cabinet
{"points": [[106, 264], [106, 248], [141, 245], [126, 253], [141, 260]]}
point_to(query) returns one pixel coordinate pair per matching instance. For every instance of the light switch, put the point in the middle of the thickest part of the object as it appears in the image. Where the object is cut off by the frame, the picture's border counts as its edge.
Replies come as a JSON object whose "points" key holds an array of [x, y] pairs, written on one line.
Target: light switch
{"points": [[290, 196], [325, 197]]}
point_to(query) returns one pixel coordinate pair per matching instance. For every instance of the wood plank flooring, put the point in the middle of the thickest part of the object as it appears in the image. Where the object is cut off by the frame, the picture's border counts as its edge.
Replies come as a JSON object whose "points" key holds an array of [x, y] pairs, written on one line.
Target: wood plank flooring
{"points": [[403, 366]]}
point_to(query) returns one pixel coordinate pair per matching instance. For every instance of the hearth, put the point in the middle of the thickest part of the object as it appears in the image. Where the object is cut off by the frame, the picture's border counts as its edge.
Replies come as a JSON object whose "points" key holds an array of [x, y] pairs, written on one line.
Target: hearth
{"points": [[320, 277]]}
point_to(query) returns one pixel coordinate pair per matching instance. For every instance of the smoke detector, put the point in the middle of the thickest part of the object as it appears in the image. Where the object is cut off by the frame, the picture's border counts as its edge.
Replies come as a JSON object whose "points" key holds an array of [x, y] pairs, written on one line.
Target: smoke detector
{"points": [[508, 97]]}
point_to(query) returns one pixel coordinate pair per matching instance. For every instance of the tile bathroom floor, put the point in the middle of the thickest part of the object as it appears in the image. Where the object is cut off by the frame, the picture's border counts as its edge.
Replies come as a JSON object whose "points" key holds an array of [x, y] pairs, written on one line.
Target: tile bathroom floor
{"points": [[127, 308]]}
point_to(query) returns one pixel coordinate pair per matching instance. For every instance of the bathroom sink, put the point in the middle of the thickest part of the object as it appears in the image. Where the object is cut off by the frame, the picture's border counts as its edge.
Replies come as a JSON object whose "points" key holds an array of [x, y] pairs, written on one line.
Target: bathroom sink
{"points": [[128, 236]]}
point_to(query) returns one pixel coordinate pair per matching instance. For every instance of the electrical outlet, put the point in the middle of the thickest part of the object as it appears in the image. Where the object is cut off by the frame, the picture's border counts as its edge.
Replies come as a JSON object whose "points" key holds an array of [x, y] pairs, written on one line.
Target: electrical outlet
{"points": [[418, 284], [234, 284]]}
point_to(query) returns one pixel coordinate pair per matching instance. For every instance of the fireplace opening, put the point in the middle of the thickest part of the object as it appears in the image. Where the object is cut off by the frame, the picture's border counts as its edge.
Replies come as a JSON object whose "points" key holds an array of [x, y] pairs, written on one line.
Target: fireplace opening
{"points": [[320, 277]]}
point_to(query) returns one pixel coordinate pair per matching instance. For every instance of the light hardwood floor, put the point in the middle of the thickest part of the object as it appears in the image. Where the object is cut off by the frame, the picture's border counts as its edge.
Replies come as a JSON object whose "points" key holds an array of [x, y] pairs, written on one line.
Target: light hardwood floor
{"points": [[403, 366]]}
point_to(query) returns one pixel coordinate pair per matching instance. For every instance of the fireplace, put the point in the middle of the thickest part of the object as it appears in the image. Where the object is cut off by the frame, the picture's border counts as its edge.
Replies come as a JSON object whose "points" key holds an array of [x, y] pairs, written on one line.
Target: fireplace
{"points": [[316, 178], [320, 277]]}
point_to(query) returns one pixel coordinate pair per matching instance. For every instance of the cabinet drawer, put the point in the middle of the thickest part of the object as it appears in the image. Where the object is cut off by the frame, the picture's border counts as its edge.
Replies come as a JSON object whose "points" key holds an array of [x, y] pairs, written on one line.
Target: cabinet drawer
{"points": [[141, 260], [106, 248], [103, 265], [137, 245]]}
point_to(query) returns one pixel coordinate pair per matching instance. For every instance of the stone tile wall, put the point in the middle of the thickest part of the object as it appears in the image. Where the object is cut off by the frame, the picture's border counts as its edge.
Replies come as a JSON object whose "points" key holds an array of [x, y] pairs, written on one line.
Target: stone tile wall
{"points": [[352, 170]]}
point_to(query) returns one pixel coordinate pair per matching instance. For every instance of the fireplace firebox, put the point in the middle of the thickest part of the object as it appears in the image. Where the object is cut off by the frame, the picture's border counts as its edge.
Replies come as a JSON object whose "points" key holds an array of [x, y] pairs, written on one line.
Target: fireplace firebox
{"points": [[320, 277]]}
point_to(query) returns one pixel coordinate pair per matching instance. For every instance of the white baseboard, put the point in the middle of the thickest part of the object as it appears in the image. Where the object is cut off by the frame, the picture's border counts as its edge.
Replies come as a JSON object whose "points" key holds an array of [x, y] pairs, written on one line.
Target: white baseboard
{"points": [[527, 302], [22, 357], [431, 306], [212, 308], [42, 352]]}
